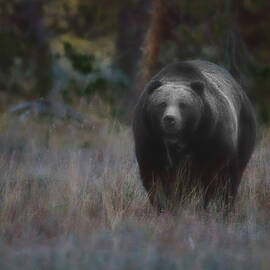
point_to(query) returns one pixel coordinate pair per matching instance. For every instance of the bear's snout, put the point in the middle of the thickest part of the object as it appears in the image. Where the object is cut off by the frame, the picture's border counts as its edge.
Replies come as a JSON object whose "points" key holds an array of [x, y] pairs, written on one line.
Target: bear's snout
{"points": [[170, 124], [169, 121]]}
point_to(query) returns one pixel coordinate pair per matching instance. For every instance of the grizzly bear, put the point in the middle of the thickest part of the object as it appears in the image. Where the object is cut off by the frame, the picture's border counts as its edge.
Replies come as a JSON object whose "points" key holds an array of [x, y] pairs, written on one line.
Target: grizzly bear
{"points": [[194, 130]]}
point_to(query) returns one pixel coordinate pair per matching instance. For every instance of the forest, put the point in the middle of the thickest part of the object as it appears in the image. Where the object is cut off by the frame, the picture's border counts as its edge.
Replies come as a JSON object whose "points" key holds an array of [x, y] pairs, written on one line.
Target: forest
{"points": [[71, 72]]}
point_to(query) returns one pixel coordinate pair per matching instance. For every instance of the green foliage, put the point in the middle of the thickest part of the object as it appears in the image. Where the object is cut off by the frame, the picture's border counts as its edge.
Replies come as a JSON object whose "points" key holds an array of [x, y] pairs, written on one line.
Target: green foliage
{"points": [[80, 62], [100, 84], [9, 48], [94, 79]]}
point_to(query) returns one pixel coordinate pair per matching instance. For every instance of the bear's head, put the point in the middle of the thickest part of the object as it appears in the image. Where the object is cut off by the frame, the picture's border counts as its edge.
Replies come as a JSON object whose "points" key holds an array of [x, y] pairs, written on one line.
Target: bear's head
{"points": [[174, 109]]}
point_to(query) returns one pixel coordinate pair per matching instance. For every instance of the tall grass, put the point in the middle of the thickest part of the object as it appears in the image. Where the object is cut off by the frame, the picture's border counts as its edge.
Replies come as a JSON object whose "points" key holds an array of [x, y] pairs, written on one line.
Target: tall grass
{"points": [[71, 198]]}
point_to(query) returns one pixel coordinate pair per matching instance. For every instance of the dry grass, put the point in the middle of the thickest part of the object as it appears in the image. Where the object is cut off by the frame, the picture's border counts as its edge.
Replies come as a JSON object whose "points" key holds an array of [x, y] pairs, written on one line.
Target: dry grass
{"points": [[71, 198]]}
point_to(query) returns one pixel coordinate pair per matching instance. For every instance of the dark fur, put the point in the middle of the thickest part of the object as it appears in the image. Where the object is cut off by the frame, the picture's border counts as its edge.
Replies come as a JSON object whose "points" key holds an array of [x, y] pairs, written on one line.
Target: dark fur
{"points": [[209, 159]]}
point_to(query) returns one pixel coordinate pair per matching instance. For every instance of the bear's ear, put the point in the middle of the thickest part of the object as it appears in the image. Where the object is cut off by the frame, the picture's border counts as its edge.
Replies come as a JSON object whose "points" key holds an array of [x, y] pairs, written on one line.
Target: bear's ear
{"points": [[198, 87], [152, 86]]}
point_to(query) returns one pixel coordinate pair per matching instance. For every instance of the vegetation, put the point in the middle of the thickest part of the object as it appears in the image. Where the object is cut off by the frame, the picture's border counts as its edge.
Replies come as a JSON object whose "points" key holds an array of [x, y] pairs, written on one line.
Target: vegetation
{"points": [[70, 194], [71, 198]]}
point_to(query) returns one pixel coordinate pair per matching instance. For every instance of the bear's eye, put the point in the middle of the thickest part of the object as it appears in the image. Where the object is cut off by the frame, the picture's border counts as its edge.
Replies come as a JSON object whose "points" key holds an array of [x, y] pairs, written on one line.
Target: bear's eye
{"points": [[183, 106], [162, 104]]}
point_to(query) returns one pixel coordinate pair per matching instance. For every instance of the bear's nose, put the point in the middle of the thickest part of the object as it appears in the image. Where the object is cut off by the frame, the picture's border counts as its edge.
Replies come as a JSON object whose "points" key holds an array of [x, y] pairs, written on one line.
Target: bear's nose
{"points": [[169, 120]]}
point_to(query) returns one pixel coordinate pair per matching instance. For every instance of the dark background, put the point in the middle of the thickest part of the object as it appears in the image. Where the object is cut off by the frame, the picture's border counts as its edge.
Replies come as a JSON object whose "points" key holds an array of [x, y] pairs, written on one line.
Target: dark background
{"points": [[74, 50]]}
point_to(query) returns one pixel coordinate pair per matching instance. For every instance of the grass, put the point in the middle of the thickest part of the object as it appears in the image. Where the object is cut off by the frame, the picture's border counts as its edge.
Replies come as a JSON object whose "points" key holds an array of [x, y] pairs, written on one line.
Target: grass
{"points": [[71, 198]]}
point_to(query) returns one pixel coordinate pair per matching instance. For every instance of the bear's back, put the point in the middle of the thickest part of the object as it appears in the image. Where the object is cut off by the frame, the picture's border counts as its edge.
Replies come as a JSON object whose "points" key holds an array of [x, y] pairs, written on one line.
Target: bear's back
{"points": [[219, 77], [179, 72]]}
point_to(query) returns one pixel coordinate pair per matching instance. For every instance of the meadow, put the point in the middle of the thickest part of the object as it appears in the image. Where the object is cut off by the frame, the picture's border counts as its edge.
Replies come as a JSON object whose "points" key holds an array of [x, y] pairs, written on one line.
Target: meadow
{"points": [[71, 198]]}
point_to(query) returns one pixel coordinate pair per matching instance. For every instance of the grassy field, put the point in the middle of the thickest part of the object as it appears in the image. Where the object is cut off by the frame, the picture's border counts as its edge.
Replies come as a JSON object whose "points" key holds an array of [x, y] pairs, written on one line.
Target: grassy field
{"points": [[71, 198]]}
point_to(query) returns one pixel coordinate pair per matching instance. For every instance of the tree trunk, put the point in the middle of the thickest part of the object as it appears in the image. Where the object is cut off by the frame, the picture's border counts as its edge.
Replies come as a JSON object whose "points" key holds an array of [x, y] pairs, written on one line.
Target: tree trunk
{"points": [[132, 22], [152, 43]]}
